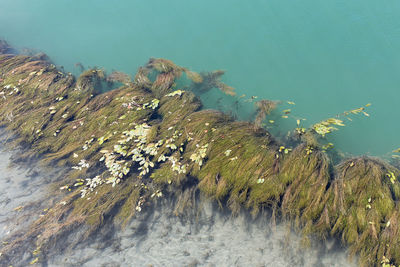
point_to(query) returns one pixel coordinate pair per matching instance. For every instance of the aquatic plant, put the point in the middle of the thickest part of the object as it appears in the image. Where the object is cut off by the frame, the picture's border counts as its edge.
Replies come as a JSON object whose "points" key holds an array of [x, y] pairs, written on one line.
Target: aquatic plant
{"points": [[91, 78], [199, 156], [127, 147], [5, 48], [264, 108], [326, 126], [211, 80], [117, 76]]}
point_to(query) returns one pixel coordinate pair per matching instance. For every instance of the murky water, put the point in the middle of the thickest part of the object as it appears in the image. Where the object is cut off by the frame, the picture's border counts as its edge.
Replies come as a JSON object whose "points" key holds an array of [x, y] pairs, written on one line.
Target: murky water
{"points": [[327, 57]]}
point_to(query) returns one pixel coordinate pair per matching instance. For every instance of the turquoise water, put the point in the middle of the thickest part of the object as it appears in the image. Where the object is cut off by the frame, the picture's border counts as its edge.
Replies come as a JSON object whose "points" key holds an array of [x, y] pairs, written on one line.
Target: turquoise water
{"points": [[326, 56]]}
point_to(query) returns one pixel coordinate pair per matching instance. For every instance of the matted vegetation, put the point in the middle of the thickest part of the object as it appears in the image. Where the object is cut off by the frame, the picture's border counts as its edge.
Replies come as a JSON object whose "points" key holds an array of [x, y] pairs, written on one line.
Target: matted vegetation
{"points": [[126, 147]]}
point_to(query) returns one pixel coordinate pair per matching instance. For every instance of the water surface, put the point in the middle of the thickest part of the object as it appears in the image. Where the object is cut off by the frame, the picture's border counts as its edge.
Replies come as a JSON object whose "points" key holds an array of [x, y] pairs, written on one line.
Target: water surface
{"points": [[327, 57]]}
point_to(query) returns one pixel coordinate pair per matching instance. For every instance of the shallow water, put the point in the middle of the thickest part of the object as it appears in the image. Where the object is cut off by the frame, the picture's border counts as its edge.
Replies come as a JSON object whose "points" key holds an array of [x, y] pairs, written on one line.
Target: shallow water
{"points": [[22, 193], [327, 57], [157, 237]]}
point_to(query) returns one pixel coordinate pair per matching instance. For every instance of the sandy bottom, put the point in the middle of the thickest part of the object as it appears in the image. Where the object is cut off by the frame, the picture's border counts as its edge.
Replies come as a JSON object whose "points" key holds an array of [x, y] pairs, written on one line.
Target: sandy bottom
{"points": [[214, 238], [22, 192], [159, 238]]}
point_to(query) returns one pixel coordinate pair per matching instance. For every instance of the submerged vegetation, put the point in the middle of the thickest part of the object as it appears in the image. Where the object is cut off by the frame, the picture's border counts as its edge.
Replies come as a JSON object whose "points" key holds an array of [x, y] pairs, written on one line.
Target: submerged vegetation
{"points": [[208, 80], [324, 127], [264, 108], [127, 147]]}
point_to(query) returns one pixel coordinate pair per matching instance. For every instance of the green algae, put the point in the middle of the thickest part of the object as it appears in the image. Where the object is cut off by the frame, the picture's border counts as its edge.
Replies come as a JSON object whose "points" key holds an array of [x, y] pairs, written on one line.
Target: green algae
{"points": [[143, 139]]}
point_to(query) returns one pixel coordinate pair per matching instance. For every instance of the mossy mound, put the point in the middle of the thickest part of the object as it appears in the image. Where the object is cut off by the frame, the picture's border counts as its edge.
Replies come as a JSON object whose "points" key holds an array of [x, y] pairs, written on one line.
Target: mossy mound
{"points": [[131, 145]]}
